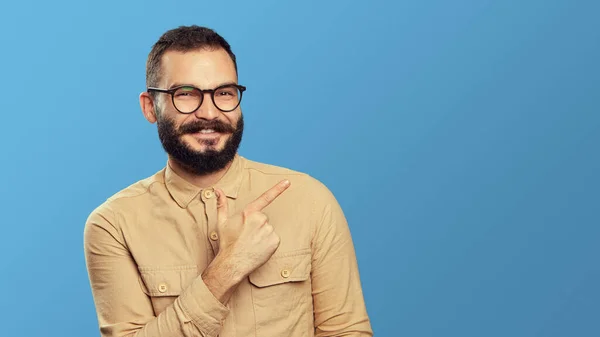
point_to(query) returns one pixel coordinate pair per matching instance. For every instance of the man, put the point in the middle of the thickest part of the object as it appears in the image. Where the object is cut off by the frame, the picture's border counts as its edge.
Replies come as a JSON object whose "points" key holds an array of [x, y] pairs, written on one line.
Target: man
{"points": [[215, 244]]}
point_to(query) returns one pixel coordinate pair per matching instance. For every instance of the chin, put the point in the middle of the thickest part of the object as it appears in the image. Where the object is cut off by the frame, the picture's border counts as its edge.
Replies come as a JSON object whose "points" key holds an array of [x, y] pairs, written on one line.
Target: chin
{"points": [[204, 145]]}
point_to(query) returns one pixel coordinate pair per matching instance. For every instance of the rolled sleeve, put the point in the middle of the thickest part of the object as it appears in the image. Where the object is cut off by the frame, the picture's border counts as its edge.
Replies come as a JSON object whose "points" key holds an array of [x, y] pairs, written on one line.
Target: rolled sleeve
{"points": [[203, 308]]}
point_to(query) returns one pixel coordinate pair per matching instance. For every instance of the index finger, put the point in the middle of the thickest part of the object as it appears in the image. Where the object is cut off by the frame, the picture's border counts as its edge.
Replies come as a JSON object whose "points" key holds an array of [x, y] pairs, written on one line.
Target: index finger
{"points": [[266, 198]]}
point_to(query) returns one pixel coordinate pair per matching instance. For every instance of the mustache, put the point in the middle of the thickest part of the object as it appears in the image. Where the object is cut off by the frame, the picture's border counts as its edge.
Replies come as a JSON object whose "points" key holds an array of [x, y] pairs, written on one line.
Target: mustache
{"points": [[197, 126]]}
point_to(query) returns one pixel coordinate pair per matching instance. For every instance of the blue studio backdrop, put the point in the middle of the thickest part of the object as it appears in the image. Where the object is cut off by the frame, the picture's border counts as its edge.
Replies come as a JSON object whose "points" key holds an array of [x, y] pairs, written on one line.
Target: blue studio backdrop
{"points": [[460, 137]]}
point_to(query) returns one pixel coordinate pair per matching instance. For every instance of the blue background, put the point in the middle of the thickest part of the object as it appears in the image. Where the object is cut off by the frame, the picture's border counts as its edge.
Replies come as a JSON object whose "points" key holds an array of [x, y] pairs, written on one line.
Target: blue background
{"points": [[460, 137]]}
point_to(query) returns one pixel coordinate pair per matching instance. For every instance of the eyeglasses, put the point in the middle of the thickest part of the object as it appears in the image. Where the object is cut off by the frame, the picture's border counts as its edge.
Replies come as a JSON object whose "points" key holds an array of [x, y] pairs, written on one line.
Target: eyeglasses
{"points": [[188, 99]]}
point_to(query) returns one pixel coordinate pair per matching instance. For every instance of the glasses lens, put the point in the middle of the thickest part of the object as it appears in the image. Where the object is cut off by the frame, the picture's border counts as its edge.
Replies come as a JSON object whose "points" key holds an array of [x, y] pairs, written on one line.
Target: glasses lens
{"points": [[187, 99], [227, 98]]}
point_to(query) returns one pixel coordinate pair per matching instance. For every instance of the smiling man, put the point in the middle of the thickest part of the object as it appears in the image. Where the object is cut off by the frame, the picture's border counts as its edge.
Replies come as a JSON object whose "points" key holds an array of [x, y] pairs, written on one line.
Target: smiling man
{"points": [[215, 244]]}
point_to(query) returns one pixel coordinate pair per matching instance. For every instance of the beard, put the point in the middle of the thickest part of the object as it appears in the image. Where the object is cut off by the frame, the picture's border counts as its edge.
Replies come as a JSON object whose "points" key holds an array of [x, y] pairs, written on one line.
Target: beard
{"points": [[199, 162]]}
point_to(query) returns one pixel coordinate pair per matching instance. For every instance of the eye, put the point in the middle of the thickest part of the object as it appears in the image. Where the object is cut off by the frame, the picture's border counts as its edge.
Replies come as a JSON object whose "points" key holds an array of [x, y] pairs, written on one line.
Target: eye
{"points": [[227, 92], [185, 92]]}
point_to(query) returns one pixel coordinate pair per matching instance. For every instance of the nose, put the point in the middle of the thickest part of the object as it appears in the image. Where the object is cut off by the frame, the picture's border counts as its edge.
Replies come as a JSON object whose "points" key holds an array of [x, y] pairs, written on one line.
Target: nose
{"points": [[207, 109]]}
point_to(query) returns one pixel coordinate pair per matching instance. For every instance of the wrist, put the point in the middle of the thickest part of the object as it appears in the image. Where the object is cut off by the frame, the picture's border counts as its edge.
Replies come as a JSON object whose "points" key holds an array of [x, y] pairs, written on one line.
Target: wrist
{"points": [[221, 278], [228, 268]]}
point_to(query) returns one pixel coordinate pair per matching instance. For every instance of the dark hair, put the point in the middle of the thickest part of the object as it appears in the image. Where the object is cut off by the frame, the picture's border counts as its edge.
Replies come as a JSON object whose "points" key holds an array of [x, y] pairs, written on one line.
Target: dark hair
{"points": [[183, 38]]}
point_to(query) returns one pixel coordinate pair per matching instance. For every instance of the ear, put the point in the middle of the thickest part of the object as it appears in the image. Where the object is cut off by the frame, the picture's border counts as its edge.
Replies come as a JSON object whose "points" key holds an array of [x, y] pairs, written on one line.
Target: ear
{"points": [[148, 107]]}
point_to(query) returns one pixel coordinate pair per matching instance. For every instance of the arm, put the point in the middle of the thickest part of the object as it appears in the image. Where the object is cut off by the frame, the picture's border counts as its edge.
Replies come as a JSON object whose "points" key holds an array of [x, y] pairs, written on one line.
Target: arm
{"points": [[123, 308], [337, 294]]}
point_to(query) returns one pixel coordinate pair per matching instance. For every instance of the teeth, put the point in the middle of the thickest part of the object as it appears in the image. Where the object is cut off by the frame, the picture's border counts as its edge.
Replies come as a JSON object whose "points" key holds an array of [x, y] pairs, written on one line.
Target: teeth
{"points": [[207, 131]]}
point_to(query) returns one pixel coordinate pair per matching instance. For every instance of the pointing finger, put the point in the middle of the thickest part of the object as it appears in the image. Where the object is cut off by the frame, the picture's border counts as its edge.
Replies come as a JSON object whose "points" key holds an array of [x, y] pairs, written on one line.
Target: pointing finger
{"points": [[266, 198]]}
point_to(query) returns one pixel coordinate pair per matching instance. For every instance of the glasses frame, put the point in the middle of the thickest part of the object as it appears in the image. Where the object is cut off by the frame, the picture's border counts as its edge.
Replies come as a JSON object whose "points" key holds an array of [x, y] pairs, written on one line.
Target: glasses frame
{"points": [[171, 92]]}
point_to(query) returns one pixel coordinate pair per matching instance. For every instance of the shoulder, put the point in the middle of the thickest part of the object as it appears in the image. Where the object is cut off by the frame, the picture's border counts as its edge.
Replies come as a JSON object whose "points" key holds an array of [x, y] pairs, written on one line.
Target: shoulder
{"points": [[108, 210], [279, 172], [257, 167], [302, 184]]}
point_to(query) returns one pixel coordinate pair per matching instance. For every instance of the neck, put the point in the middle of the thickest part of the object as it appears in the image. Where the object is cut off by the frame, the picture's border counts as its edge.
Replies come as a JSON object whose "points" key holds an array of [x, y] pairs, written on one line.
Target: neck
{"points": [[202, 181]]}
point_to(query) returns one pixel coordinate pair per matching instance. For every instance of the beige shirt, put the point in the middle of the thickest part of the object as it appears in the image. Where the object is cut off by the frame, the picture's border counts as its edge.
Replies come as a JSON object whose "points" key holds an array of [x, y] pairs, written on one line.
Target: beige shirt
{"points": [[147, 245]]}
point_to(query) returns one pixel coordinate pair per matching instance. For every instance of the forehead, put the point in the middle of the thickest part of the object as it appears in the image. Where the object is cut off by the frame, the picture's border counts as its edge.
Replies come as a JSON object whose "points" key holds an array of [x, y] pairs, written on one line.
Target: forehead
{"points": [[205, 68]]}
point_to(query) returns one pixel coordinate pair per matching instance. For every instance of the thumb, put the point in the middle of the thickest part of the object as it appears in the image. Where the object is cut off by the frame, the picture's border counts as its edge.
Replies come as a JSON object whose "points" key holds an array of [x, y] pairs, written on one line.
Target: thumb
{"points": [[222, 208]]}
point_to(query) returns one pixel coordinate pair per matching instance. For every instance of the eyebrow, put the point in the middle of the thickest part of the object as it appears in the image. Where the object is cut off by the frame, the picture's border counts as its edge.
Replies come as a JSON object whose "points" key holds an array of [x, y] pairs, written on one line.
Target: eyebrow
{"points": [[174, 85]]}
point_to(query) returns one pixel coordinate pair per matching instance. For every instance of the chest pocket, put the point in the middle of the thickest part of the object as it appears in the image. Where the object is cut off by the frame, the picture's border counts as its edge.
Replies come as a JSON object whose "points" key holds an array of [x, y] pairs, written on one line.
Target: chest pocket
{"points": [[282, 295], [163, 284]]}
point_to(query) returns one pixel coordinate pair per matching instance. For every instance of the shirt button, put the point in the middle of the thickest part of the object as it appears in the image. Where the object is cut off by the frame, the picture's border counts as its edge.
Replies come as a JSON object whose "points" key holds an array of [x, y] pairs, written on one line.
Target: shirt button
{"points": [[208, 193], [162, 287], [214, 236], [285, 273]]}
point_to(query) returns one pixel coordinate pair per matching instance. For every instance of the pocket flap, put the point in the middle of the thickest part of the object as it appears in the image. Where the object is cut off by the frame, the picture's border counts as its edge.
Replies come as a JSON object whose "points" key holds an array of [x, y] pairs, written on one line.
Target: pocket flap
{"points": [[287, 267], [166, 281]]}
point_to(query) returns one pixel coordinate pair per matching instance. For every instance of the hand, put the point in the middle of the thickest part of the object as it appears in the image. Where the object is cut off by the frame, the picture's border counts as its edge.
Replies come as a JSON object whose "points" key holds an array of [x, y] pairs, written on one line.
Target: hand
{"points": [[247, 240]]}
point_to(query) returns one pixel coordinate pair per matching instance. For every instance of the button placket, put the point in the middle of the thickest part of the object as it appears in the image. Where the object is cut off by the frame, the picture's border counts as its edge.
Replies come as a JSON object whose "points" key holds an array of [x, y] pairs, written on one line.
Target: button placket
{"points": [[197, 211], [209, 197]]}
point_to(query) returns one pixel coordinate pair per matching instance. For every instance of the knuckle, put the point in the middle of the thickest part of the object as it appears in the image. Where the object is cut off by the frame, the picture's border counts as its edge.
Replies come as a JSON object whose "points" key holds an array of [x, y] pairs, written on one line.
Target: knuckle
{"points": [[255, 218], [259, 217]]}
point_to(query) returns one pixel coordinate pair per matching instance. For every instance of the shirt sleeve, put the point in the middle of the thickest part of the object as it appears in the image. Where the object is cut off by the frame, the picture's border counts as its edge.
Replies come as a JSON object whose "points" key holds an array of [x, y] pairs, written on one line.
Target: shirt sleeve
{"points": [[122, 307], [339, 305]]}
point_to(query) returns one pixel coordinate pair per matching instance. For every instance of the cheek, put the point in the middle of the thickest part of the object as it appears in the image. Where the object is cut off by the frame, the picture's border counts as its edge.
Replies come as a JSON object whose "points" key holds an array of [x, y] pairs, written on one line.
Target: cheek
{"points": [[180, 120], [233, 118]]}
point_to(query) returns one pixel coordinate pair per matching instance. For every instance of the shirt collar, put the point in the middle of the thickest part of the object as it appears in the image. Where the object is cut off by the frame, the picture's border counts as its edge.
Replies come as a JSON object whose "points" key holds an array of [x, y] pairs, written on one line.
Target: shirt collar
{"points": [[183, 192]]}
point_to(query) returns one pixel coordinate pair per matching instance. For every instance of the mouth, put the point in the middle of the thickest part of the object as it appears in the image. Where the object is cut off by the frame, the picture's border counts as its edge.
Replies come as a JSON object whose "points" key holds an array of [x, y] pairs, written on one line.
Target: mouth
{"points": [[207, 134]]}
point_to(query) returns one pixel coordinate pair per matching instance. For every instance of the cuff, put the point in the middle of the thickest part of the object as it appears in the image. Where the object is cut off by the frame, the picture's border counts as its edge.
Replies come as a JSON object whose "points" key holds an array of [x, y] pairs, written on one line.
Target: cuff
{"points": [[203, 308]]}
